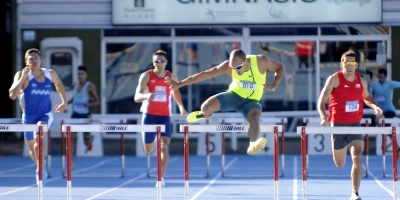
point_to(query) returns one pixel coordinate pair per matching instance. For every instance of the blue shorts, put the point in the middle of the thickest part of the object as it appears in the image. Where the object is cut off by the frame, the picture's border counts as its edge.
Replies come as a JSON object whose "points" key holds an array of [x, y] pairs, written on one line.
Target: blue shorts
{"points": [[47, 118], [231, 101], [147, 119], [340, 141]]}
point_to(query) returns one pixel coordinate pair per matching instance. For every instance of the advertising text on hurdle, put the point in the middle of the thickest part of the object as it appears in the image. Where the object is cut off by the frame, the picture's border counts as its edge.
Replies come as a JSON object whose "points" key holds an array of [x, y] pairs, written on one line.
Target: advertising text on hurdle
{"points": [[113, 127], [230, 128]]}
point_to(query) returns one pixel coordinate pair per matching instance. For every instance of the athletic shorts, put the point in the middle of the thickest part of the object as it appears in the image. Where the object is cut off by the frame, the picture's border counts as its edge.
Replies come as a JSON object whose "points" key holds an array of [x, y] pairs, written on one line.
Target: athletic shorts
{"points": [[341, 141], [231, 101], [149, 137], [389, 114], [77, 115], [47, 118]]}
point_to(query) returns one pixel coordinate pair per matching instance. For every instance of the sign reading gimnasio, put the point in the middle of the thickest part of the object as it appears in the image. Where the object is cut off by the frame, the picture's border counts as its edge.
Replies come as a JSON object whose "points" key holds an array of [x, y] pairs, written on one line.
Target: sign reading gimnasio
{"points": [[198, 12]]}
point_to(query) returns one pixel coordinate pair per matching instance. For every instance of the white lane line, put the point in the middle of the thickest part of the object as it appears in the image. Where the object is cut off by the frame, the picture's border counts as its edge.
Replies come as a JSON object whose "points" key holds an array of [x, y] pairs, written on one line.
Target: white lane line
{"points": [[212, 181], [94, 166], [295, 178], [125, 183], [56, 178], [19, 168], [26, 187], [119, 186], [391, 193]]}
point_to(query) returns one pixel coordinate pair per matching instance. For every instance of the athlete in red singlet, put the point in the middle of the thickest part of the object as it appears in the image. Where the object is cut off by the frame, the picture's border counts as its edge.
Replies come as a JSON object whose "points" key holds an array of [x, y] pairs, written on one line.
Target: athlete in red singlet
{"points": [[347, 92], [155, 95], [160, 104]]}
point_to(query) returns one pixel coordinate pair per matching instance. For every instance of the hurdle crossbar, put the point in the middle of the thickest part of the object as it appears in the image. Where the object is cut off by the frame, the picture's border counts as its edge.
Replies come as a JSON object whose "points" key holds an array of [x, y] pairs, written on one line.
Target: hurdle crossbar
{"points": [[304, 130], [317, 121], [69, 128], [208, 158], [186, 128], [383, 122], [271, 120], [85, 122], [27, 127]]}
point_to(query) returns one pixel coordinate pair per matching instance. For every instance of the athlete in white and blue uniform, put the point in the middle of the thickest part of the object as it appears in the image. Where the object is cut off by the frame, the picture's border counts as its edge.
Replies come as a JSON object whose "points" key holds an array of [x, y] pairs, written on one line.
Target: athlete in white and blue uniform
{"points": [[33, 86], [35, 102]]}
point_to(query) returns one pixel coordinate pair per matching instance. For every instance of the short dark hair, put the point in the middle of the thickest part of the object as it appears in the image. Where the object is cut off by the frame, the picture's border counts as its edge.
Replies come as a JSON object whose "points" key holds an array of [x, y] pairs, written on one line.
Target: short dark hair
{"points": [[382, 71], [83, 68], [238, 53], [31, 50], [349, 54], [160, 53]]}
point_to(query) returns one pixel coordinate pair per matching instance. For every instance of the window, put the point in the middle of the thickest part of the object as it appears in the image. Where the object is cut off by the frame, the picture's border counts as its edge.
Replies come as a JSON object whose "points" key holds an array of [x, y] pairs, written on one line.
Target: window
{"points": [[61, 62]]}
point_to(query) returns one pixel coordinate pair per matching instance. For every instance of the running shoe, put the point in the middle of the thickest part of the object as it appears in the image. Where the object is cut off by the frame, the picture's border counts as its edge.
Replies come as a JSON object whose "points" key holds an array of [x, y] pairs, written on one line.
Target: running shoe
{"points": [[195, 116], [88, 140], [162, 183], [355, 196], [44, 175], [257, 146]]}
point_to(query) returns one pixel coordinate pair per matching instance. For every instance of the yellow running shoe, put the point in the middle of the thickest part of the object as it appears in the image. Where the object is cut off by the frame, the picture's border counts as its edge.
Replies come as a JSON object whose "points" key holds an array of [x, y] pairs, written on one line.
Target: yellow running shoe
{"points": [[257, 146], [195, 116]]}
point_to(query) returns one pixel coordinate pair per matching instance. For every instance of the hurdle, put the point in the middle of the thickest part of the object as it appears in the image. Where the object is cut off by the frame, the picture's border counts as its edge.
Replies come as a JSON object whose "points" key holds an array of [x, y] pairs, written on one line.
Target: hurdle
{"points": [[31, 127], [69, 128], [186, 128], [92, 121], [315, 121], [384, 145], [208, 158], [271, 120], [7, 121], [304, 130]]}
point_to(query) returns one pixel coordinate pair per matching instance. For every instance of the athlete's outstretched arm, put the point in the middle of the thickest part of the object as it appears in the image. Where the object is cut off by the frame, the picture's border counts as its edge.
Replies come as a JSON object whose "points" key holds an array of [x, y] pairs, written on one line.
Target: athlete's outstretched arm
{"points": [[60, 90]]}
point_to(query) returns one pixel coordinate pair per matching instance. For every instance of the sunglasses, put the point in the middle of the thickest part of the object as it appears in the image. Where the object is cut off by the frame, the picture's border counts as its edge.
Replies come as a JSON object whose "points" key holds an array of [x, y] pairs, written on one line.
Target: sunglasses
{"points": [[160, 61], [352, 63], [238, 67]]}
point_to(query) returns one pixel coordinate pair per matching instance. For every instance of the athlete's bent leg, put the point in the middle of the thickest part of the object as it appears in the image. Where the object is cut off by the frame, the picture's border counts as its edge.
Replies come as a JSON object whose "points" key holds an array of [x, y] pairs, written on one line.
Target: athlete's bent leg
{"points": [[210, 106]]}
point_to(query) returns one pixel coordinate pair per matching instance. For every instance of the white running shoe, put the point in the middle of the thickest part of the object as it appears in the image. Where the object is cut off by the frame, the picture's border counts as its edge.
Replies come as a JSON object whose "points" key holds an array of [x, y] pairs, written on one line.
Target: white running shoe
{"points": [[355, 196], [162, 183]]}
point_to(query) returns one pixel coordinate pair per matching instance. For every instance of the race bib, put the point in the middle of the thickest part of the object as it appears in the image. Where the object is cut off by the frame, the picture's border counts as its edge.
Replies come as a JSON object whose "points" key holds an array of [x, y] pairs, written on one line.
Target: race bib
{"points": [[79, 107], [247, 85], [161, 94], [380, 98], [352, 106]]}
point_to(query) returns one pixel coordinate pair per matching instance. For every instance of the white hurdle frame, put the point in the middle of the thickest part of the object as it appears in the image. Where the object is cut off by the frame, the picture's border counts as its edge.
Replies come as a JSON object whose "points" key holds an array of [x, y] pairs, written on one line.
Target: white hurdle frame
{"points": [[232, 128], [366, 121], [383, 122], [263, 120], [207, 173], [304, 130], [104, 121], [69, 128], [19, 121], [31, 127]]}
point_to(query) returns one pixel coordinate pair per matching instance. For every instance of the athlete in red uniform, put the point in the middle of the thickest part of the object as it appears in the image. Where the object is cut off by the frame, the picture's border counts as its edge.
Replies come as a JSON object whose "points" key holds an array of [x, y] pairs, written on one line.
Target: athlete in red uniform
{"points": [[155, 95], [347, 92]]}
